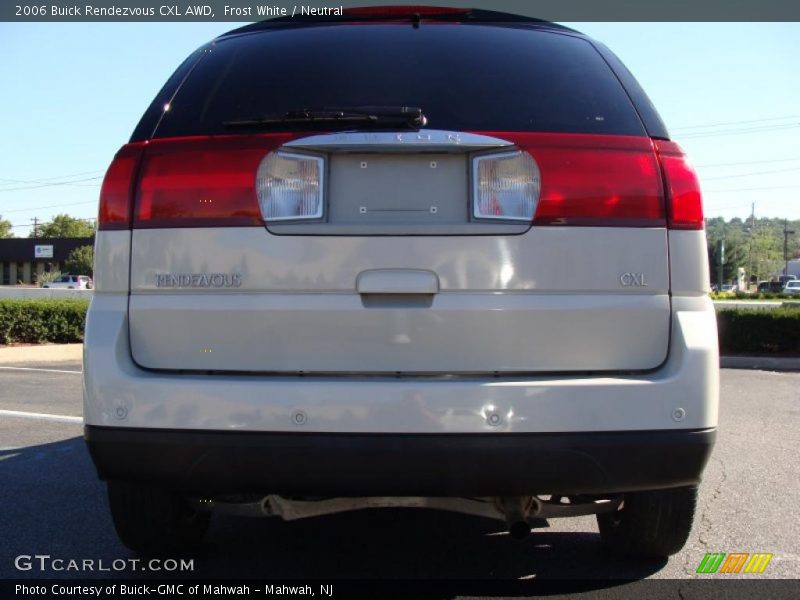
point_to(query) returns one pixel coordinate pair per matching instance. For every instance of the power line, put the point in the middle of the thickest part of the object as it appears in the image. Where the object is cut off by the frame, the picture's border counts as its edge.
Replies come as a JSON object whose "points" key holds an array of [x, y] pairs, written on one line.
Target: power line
{"points": [[747, 162], [56, 183], [16, 210], [753, 189], [728, 206], [44, 179], [768, 128], [751, 174], [708, 125], [38, 223]]}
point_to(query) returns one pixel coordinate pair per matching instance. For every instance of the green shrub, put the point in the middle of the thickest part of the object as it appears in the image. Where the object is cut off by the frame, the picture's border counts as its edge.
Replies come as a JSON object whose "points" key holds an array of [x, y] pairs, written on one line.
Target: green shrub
{"points": [[46, 320], [752, 296], [772, 296], [753, 331]]}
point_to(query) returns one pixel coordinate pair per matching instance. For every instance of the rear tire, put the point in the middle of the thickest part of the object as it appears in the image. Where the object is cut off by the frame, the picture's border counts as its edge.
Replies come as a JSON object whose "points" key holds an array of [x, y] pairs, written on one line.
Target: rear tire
{"points": [[653, 524], [154, 521]]}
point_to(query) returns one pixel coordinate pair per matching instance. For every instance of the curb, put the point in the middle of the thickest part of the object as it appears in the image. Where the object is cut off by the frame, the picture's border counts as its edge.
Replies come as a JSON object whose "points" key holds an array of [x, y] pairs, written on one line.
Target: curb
{"points": [[767, 363], [41, 354]]}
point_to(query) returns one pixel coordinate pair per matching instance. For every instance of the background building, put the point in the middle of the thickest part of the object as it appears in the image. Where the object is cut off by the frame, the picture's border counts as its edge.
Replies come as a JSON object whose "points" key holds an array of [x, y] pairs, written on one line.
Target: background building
{"points": [[22, 259], [794, 267]]}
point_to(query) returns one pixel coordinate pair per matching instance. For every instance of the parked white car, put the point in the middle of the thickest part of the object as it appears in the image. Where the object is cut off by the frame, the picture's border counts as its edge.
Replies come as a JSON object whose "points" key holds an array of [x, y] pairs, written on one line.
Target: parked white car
{"points": [[71, 282], [792, 287]]}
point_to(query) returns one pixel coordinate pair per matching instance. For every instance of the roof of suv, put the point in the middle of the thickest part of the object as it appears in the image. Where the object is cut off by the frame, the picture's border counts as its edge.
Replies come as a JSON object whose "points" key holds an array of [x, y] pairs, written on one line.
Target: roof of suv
{"points": [[414, 14]]}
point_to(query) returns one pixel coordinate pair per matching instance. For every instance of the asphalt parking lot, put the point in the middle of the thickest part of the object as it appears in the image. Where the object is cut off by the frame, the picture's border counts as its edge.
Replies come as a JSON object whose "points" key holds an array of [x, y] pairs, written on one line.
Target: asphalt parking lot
{"points": [[53, 504]]}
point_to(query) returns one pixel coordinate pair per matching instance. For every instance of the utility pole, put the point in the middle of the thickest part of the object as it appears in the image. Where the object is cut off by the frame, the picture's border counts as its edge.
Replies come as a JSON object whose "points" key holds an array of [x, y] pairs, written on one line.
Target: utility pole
{"points": [[750, 246], [786, 233], [35, 227], [721, 261]]}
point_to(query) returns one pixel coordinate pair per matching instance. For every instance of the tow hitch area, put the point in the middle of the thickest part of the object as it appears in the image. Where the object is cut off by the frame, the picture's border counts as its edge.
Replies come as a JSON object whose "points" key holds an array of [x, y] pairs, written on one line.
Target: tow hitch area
{"points": [[521, 513]]}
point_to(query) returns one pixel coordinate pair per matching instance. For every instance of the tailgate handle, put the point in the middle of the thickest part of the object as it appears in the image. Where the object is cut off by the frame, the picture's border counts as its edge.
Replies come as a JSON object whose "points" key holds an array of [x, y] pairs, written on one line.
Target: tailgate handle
{"points": [[397, 281]]}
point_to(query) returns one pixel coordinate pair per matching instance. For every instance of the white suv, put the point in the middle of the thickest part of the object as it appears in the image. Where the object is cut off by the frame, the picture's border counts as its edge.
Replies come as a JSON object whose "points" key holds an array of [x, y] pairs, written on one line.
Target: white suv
{"points": [[792, 287], [70, 282], [370, 261]]}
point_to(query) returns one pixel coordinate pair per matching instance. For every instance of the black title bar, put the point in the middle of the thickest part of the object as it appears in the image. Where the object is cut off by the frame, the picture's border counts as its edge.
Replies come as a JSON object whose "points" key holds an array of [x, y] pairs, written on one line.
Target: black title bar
{"points": [[247, 11]]}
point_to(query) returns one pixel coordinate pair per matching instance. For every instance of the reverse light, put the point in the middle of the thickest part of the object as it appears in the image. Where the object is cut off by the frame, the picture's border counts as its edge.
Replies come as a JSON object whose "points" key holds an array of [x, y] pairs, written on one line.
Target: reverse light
{"points": [[505, 186], [290, 186]]}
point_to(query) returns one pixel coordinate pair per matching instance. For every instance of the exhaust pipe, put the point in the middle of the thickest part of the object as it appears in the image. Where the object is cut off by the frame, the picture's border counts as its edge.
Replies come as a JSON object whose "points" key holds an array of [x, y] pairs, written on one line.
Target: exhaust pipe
{"points": [[519, 530], [517, 509]]}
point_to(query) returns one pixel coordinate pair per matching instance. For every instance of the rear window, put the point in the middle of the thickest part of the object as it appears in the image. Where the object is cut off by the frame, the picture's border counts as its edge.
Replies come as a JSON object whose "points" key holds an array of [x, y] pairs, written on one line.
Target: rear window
{"points": [[464, 77]]}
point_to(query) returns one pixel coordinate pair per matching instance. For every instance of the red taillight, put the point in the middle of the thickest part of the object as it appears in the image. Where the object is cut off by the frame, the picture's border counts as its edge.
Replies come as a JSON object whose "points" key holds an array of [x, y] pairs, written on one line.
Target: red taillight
{"points": [[684, 200], [118, 186], [586, 180], [595, 180], [197, 182]]}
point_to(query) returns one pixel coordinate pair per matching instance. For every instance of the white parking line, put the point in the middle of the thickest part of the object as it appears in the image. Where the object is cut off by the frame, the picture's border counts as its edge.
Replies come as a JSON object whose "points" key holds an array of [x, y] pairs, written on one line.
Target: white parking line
{"points": [[41, 416], [35, 369]]}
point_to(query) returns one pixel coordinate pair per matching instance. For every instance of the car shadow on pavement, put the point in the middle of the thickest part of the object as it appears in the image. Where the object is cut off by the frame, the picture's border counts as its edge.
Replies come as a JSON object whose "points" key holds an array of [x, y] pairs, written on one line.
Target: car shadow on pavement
{"points": [[54, 504], [403, 543]]}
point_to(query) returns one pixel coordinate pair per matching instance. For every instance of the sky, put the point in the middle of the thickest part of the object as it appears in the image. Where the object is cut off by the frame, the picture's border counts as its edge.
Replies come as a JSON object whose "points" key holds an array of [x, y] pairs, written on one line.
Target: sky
{"points": [[72, 94]]}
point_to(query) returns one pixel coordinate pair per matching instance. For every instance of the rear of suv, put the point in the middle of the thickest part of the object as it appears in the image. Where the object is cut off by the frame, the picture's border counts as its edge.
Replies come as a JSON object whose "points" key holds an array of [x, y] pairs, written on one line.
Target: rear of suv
{"points": [[448, 258]]}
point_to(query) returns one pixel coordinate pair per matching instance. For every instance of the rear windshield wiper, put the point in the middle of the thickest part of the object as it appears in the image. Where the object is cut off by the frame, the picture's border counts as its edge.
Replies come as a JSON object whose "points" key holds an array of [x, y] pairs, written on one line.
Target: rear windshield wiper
{"points": [[383, 117]]}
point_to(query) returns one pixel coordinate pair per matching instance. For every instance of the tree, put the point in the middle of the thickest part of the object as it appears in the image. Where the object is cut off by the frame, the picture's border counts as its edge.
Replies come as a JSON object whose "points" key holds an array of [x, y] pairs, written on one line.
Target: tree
{"points": [[753, 244], [735, 257], [767, 253], [80, 261], [736, 248], [5, 228], [64, 226]]}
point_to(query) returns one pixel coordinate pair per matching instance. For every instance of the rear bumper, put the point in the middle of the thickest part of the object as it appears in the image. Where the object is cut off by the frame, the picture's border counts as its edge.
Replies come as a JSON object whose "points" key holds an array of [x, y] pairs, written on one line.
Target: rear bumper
{"points": [[461, 465], [682, 394]]}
